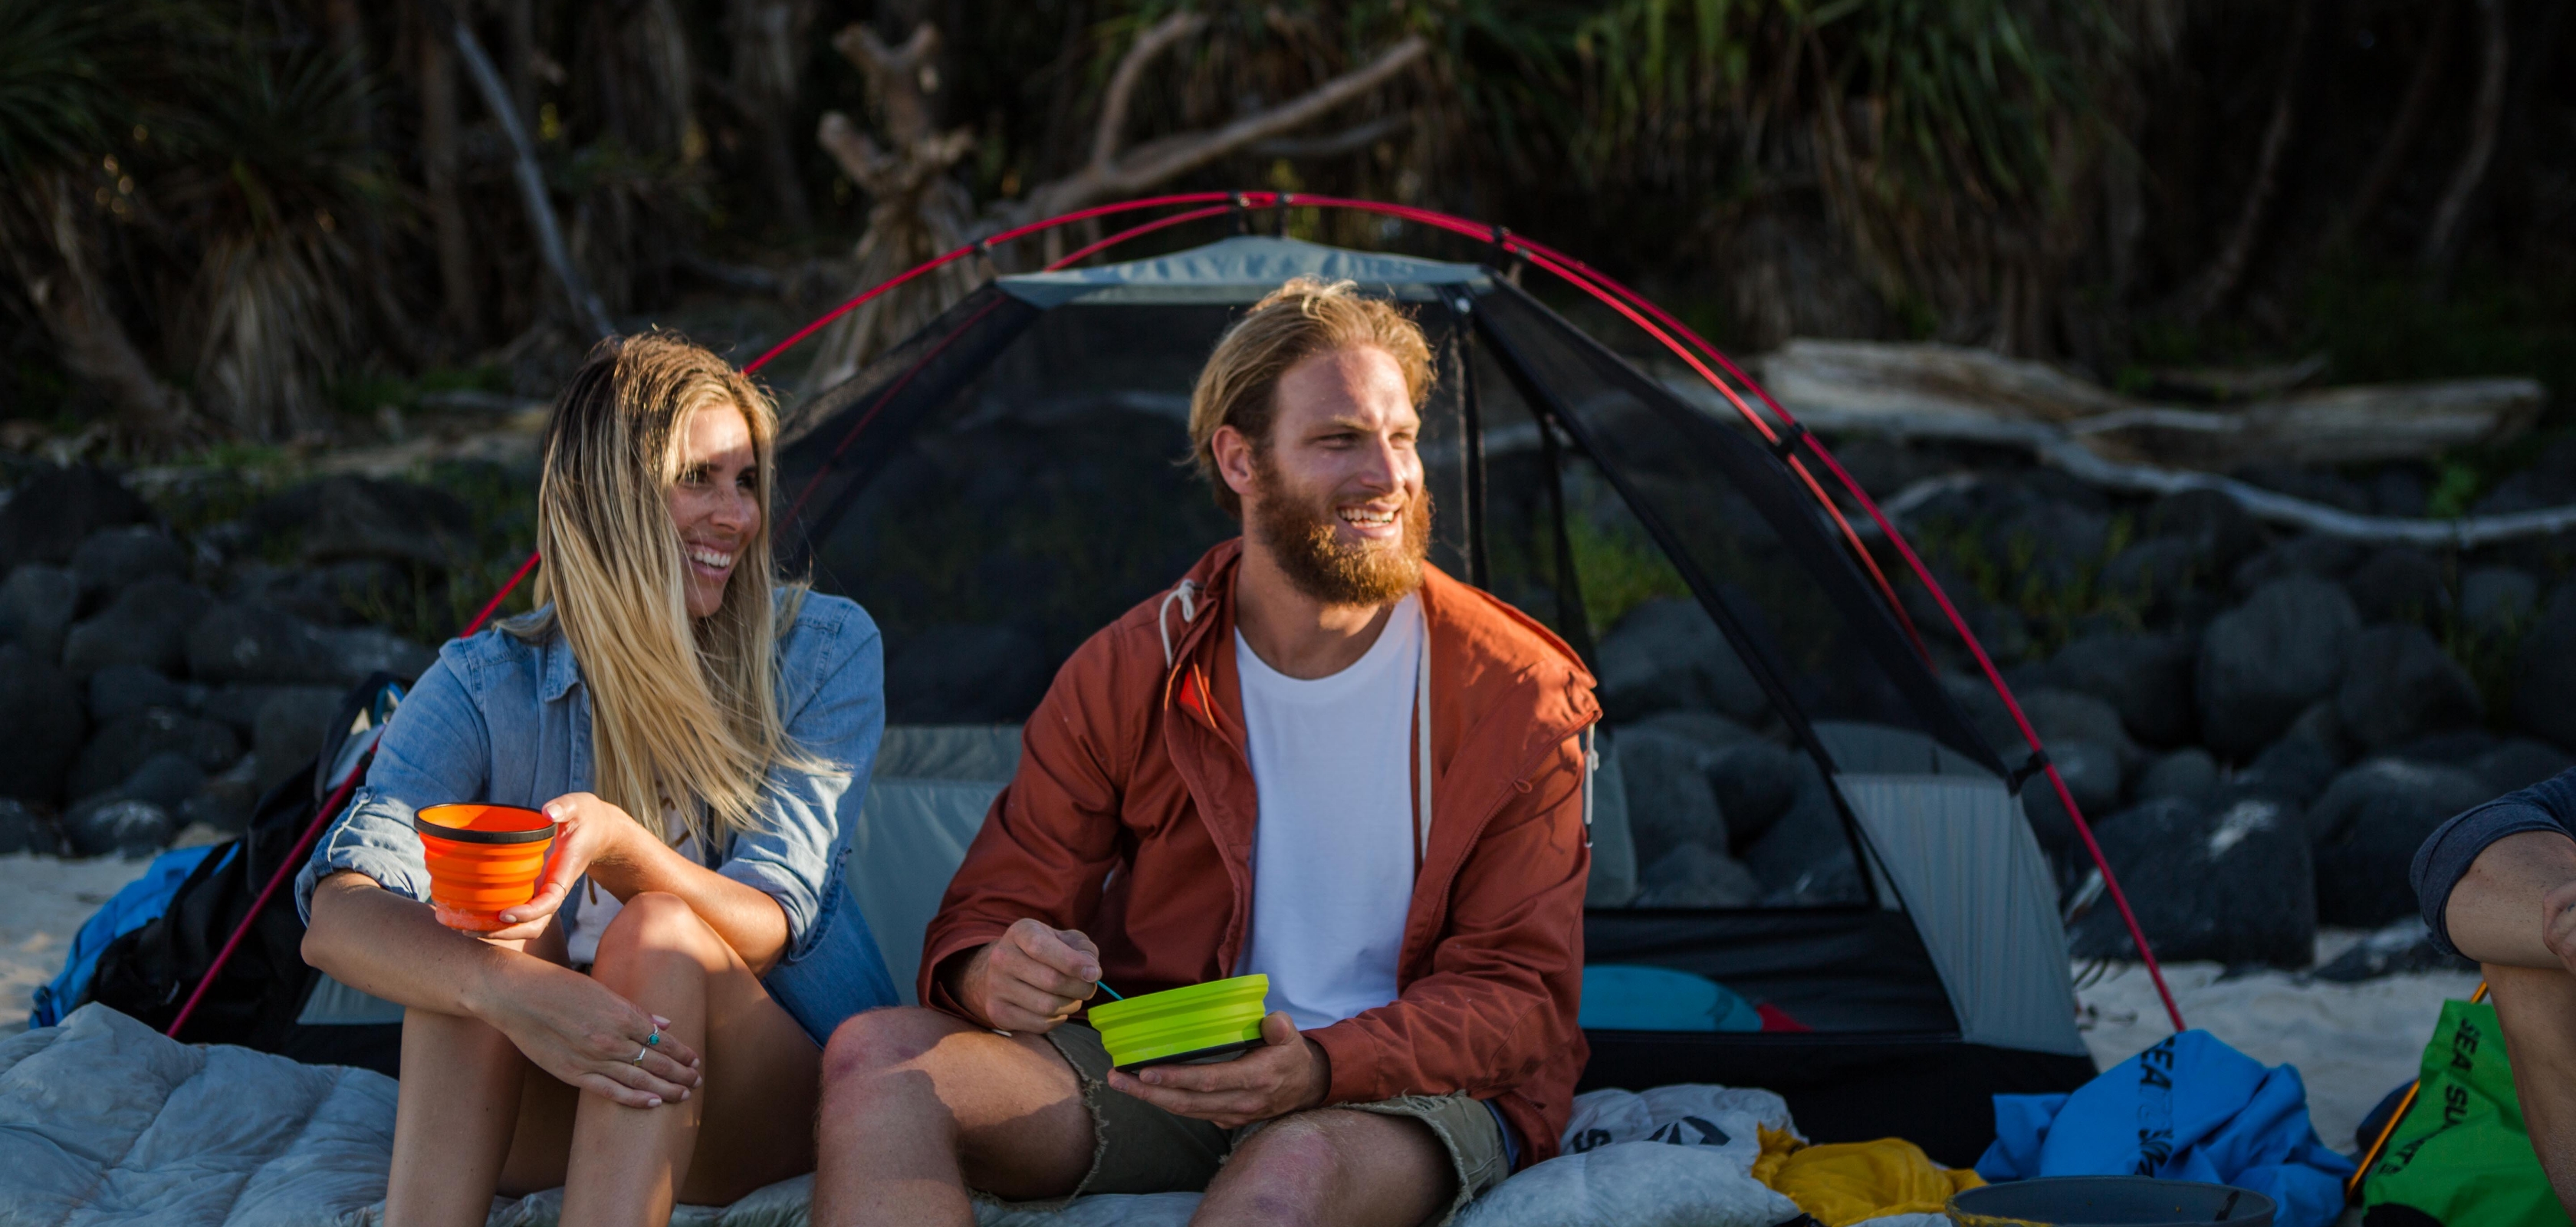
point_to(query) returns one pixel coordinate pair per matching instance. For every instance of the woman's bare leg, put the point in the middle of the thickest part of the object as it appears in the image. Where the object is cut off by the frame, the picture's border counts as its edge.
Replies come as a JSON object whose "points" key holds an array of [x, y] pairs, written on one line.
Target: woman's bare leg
{"points": [[751, 1121], [456, 1115]]}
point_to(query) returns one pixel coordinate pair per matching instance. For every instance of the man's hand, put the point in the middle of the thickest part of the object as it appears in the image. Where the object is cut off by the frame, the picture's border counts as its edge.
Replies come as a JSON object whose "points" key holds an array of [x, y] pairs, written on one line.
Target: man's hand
{"points": [[1288, 1073], [1031, 979]]}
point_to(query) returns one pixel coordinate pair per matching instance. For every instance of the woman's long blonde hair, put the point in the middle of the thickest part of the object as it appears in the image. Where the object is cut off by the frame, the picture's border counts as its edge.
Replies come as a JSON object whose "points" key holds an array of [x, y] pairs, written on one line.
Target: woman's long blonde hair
{"points": [[683, 713]]}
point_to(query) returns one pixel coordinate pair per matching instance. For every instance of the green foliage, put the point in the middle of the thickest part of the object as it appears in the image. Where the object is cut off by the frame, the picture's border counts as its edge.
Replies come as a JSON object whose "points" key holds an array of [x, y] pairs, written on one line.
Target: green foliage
{"points": [[1619, 570]]}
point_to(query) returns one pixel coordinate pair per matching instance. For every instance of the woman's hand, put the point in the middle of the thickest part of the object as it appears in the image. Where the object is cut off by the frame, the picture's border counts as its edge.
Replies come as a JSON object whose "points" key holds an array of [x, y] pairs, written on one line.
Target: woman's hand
{"points": [[588, 831], [585, 1034]]}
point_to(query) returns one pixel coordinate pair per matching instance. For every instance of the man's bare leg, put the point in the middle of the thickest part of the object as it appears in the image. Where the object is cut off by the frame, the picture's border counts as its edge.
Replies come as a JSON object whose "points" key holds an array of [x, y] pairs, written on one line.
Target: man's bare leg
{"points": [[918, 1105], [1332, 1167], [2538, 1010]]}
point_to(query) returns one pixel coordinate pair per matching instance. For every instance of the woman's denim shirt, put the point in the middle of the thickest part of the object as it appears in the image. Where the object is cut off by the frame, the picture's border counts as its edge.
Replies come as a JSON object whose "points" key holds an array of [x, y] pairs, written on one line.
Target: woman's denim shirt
{"points": [[505, 720]]}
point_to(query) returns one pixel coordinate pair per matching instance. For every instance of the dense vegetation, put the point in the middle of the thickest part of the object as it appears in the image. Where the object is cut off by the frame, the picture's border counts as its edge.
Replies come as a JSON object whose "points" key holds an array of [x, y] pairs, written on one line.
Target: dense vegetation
{"points": [[259, 222]]}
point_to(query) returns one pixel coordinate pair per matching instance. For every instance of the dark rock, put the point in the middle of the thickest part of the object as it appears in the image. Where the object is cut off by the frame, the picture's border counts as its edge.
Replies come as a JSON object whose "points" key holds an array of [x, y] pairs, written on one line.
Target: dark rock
{"points": [[2520, 763], [2067, 715], [224, 804], [2405, 946], [2229, 884], [363, 650], [121, 748], [2330, 557], [332, 595], [1670, 800], [2293, 770], [54, 511], [2399, 686], [37, 605], [1986, 714], [2549, 482], [237, 706], [2145, 678], [1695, 875], [1883, 467], [113, 559], [2214, 526], [965, 674], [2322, 725], [1806, 856], [21, 830], [1706, 728], [341, 518], [1668, 654], [2497, 601], [40, 724], [2399, 584], [2264, 661], [2365, 831], [2314, 485], [2050, 542], [2092, 774], [129, 827], [2460, 748], [2400, 490], [2188, 773], [1755, 783], [147, 625], [248, 643], [165, 779], [293, 724], [2155, 573], [2545, 676], [118, 691]]}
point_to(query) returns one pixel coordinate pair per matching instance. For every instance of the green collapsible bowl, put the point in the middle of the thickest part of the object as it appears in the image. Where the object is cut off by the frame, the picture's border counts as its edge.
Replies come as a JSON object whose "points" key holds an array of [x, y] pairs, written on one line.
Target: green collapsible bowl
{"points": [[1198, 1023]]}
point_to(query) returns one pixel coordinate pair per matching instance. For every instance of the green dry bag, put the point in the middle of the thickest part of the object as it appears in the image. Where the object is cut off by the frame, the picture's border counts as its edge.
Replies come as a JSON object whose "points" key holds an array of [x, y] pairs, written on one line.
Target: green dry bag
{"points": [[2461, 1155]]}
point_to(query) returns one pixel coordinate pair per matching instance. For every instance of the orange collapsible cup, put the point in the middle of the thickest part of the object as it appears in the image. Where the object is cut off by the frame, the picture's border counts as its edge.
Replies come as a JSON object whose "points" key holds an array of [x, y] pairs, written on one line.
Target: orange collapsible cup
{"points": [[482, 858]]}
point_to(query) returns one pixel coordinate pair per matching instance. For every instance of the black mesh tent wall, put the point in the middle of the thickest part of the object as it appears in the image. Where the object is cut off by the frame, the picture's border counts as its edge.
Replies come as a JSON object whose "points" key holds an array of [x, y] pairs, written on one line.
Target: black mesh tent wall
{"points": [[1793, 807]]}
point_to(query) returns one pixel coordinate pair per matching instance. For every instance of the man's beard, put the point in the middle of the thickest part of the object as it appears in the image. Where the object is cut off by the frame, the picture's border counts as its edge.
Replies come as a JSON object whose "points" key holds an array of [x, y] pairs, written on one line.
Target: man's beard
{"points": [[1301, 534]]}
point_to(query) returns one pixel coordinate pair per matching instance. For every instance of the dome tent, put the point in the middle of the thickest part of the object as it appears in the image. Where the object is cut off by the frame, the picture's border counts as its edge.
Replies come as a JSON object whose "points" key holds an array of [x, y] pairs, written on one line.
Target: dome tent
{"points": [[1790, 805]]}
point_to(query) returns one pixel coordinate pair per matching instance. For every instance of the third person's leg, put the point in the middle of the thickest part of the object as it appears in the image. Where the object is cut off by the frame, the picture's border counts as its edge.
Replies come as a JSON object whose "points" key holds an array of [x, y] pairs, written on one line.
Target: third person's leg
{"points": [[2537, 1009]]}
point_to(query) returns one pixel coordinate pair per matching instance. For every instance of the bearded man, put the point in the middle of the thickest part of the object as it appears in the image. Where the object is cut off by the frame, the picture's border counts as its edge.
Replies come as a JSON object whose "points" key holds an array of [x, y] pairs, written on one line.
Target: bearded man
{"points": [[1317, 758]]}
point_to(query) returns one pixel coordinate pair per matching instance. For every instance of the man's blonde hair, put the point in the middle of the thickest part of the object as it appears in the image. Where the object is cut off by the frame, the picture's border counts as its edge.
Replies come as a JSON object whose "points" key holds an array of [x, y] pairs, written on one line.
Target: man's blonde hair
{"points": [[1305, 317], [683, 711]]}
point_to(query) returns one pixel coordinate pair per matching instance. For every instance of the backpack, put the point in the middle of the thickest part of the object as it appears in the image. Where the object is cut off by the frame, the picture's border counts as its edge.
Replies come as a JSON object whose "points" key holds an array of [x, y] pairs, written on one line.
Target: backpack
{"points": [[264, 996]]}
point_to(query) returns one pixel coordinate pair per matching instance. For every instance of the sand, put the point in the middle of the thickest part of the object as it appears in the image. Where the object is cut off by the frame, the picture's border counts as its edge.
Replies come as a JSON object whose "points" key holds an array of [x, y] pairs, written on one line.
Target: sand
{"points": [[2351, 1042], [43, 901]]}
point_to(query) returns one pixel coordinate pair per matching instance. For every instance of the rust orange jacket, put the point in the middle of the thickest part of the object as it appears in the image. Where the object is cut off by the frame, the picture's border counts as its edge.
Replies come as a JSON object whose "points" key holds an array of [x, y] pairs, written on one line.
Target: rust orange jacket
{"points": [[1131, 819]]}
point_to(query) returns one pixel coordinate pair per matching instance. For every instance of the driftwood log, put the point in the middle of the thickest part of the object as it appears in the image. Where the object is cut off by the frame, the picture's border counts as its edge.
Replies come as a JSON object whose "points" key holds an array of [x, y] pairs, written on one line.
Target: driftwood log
{"points": [[1947, 391], [2117, 443]]}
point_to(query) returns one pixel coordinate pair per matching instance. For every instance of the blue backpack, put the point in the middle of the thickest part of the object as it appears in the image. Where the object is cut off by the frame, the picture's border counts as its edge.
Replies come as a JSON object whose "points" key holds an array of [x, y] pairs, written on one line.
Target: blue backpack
{"points": [[141, 902]]}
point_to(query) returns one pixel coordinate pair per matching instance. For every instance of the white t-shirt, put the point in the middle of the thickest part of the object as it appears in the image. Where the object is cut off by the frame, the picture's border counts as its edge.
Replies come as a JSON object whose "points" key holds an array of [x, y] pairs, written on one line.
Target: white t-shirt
{"points": [[1333, 849]]}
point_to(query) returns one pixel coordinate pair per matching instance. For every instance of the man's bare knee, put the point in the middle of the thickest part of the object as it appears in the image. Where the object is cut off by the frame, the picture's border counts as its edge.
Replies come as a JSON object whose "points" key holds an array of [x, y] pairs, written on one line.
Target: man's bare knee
{"points": [[879, 1041]]}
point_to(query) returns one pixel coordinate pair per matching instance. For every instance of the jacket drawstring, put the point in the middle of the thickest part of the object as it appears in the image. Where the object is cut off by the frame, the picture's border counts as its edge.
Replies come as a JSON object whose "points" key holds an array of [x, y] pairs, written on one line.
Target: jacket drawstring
{"points": [[1186, 592]]}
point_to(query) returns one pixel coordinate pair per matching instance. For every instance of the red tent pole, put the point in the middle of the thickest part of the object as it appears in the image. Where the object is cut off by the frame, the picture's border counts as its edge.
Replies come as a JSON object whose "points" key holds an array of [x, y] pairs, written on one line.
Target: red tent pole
{"points": [[1663, 327]]}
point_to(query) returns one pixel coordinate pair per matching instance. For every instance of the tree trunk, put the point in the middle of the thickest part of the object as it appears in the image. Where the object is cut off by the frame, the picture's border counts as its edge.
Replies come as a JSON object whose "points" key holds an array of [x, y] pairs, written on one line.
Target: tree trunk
{"points": [[2220, 279], [438, 172], [55, 266], [2441, 241], [768, 59], [2400, 140]]}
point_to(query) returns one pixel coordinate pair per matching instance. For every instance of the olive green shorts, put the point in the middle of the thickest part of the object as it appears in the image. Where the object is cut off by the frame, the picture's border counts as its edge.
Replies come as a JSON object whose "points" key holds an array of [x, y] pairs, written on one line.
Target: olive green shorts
{"points": [[1140, 1148]]}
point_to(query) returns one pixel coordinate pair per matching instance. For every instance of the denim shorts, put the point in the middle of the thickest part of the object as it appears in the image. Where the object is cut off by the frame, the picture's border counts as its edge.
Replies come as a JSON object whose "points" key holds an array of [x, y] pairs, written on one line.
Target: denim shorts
{"points": [[1140, 1148]]}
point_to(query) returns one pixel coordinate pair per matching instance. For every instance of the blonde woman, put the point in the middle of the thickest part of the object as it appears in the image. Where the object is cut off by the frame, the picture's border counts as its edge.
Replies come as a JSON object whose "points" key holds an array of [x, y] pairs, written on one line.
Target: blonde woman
{"points": [[646, 1029]]}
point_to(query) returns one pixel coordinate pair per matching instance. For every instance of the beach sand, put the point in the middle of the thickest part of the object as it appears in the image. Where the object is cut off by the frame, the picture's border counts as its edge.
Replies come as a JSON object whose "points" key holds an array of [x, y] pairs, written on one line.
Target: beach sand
{"points": [[2351, 1042], [43, 901]]}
